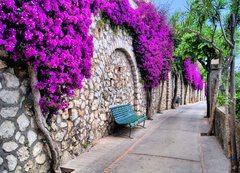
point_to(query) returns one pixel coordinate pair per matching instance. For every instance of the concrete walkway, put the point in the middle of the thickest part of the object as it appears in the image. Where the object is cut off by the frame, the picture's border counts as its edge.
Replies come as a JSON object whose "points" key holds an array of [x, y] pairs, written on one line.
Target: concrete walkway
{"points": [[171, 143]]}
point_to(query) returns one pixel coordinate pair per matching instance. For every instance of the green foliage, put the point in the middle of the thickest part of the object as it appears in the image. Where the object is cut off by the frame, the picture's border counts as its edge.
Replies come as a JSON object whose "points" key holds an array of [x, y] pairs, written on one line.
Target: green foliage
{"points": [[177, 64], [237, 84], [115, 29], [222, 102], [203, 72], [202, 36], [238, 104], [238, 42], [190, 46], [177, 24], [100, 23], [205, 12], [237, 81], [85, 145], [221, 99], [203, 21], [26, 144]]}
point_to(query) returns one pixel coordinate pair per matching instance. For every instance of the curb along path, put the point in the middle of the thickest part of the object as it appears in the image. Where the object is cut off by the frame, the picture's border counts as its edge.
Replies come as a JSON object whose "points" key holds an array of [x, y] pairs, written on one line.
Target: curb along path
{"points": [[170, 143]]}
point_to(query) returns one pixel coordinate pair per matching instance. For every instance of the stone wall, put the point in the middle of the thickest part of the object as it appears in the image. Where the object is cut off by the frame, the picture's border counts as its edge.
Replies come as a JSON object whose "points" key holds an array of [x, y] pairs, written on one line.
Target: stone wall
{"points": [[115, 80], [222, 130], [168, 92], [156, 99], [164, 97], [22, 146]]}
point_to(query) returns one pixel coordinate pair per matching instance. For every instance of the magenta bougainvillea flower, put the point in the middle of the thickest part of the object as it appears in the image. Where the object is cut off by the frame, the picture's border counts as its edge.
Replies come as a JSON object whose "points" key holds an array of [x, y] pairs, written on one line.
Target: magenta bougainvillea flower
{"points": [[53, 37], [153, 40], [192, 74]]}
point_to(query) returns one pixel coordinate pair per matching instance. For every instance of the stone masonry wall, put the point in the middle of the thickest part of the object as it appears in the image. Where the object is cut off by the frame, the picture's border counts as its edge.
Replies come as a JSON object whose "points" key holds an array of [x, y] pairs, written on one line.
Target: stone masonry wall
{"points": [[164, 97], [222, 130], [169, 90], [22, 146], [115, 80], [180, 90], [156, 99]]}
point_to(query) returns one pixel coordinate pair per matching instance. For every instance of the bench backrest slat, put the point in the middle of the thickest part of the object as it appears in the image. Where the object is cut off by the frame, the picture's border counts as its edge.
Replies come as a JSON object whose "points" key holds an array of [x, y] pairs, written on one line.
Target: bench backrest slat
{"points": [[122, 112]]}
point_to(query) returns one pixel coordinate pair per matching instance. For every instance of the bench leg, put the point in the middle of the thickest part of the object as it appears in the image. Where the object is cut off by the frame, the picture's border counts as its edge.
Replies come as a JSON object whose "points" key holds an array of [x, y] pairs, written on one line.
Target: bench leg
{"points": [[143, 126], [116, 129], [130, 132]]}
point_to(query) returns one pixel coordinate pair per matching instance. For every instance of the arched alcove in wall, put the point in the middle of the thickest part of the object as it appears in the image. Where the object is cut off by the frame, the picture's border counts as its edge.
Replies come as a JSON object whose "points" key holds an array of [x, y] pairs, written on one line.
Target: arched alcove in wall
{"points": [[135, 76], [121, 78]]}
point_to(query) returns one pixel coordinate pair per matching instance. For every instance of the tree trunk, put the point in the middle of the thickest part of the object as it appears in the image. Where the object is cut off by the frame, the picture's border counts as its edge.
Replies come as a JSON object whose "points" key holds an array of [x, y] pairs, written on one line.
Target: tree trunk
{"points": [[233, 100], [175, 92], [149, 103], [228, 123], [189, 94], [198, 96], [161, 96], [185, 94], [182, 96], [232, 117], [214, 97], [40, 122], [208, 87]]}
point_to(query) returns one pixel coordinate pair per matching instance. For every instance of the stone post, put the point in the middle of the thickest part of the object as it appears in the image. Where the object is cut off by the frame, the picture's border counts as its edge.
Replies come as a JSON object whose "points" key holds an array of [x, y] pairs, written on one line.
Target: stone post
{"points": [[214, 66]]}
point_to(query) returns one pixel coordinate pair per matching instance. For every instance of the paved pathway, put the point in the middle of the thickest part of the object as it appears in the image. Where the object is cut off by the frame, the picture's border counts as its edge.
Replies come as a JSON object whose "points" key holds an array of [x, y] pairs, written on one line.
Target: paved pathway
{"points": [[171, 143]]}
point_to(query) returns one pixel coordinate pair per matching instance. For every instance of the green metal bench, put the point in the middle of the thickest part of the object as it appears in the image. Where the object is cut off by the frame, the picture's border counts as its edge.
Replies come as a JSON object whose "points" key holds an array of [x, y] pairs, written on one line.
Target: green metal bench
{"points": [[178, 100], [125, 115]]}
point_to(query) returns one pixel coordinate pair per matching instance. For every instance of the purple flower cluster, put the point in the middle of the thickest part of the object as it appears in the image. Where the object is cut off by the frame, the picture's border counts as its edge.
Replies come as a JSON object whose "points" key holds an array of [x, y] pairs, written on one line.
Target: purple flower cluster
{"points": [[152, 42], [192, 74], [52, 36]]}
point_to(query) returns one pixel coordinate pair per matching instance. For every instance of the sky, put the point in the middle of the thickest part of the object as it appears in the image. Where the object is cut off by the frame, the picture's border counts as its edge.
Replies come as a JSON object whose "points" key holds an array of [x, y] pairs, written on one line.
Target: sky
{"points": [[171, 5]]}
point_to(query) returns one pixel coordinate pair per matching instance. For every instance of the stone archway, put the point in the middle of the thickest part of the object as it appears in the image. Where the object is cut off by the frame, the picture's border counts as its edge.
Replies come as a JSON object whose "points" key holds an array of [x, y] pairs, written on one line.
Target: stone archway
{"points": [[135, 77], [120, 85]]}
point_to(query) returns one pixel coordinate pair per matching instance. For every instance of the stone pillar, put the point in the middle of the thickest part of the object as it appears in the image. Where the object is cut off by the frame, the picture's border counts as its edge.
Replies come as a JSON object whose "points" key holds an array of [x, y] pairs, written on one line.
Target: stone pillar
{"points": [[164, 96], [179, 87], [156, 94], [169, 91], [213, 77], [182, 91], [187, 93]]}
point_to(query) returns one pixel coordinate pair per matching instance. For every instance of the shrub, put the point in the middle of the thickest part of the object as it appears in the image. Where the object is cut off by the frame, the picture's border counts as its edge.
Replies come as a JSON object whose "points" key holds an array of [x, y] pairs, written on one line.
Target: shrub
{"points": [[221, 99]]}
